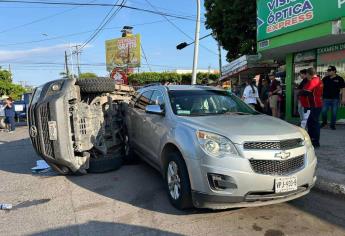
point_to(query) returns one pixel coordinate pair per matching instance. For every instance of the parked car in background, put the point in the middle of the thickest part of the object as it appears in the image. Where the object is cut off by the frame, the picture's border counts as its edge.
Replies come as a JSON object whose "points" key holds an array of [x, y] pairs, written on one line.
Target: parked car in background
{"points": [[21, 106]]}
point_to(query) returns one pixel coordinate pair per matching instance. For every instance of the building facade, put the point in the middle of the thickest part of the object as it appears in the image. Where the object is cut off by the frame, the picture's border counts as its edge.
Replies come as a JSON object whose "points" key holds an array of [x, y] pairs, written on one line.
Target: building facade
{"points": [[302, 34]]}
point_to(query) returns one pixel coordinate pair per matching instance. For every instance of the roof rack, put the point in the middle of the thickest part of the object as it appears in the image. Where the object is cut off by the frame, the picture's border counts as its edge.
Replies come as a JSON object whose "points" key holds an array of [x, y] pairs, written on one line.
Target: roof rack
{"points": [[152, 84]]}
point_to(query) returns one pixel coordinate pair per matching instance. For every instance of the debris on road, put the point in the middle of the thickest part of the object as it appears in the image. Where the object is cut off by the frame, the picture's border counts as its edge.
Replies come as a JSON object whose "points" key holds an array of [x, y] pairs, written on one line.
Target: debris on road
{"points": [[5, 206], [41, 167]]}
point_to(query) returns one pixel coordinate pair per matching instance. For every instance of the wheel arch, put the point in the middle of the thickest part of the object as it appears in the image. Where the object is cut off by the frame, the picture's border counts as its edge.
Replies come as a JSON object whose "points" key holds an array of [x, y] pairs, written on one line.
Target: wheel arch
{"points": [[169, 147]]}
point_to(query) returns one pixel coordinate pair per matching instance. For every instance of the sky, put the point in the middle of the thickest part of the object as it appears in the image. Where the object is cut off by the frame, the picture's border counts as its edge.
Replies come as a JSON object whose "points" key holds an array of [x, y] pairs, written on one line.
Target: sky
{"points": [[33, 38]]}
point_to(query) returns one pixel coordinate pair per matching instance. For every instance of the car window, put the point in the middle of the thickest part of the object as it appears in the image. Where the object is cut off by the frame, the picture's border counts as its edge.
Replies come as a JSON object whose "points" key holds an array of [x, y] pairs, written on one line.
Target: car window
{"points": [[207, 102], [143, 100], [157, 99]]}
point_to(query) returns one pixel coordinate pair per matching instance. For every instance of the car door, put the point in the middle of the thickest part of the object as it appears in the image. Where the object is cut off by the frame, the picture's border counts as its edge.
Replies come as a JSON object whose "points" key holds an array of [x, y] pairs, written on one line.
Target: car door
{"points": [[154, 128], [137, 120]]}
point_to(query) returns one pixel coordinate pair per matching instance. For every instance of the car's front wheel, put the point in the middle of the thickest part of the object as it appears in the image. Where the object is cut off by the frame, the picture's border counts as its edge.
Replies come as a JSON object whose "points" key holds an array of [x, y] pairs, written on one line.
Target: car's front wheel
{"points": [[177, 182]]}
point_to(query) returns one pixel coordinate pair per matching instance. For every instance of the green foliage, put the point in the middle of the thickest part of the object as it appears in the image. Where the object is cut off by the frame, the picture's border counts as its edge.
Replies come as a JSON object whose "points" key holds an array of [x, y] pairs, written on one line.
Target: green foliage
{"points": [[13, 90], [87, 75], [5, 75], [234, 24], [163, 77]]}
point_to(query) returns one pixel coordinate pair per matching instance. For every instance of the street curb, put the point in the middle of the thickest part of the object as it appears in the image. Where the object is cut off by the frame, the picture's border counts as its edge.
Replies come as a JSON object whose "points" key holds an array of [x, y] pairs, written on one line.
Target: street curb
{"points": [[330, 187]]}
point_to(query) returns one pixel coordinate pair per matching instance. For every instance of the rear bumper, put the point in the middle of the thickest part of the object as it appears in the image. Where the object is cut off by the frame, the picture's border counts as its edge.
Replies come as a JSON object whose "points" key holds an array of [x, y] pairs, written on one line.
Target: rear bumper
{"points": [[201, 200]]}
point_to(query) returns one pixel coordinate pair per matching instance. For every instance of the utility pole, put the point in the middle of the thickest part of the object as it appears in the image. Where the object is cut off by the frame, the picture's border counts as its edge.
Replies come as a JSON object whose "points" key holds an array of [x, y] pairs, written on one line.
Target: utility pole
{"points": [[196, 45], [66, 65], [77, 52], [220, 59]]}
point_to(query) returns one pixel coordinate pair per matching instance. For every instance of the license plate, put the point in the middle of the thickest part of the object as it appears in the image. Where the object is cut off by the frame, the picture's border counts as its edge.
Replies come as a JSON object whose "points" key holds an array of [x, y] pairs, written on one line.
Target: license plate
{"points": [[52, 130], [285, 184]]}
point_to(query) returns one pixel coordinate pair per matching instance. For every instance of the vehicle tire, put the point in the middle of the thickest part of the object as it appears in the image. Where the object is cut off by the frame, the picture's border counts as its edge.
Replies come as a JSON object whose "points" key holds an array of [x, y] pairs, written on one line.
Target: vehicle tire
{"points": [[106, 163], [177, 181], [129, 157], [96, 85]]}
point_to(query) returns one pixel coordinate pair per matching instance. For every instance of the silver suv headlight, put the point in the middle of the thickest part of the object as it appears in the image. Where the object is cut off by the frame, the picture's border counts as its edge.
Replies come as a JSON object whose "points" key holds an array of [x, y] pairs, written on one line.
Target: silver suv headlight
{"points": [[215, 145], [307, 140]]}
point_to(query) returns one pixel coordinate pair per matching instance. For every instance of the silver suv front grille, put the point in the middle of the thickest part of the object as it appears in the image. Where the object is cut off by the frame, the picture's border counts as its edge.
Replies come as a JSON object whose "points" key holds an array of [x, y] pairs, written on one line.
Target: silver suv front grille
{"points": [[274, 145], [277, 167]]}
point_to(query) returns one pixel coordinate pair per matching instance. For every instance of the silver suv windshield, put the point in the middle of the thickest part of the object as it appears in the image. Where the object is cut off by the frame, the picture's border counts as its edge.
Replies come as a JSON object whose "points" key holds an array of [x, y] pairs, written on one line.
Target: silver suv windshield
{"points": [[207, 102]]}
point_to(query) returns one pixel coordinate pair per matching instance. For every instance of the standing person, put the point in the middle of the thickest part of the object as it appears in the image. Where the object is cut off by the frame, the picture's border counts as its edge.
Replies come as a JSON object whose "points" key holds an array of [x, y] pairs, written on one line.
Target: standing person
{"points": [[313, 91], [303, 75], [264, 95], [273, 94], [333, 85], [251, 94], [9, 115]]}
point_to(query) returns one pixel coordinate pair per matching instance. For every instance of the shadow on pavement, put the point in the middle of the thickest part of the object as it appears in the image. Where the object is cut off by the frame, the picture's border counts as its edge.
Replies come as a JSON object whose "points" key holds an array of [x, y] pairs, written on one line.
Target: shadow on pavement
{"points": [[104, 229], [324, 206], [142, 186]]}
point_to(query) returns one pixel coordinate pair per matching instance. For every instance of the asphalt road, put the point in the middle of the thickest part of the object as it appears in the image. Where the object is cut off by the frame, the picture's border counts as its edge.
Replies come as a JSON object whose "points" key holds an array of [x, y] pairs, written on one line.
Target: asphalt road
{"points": [[132, 201]]}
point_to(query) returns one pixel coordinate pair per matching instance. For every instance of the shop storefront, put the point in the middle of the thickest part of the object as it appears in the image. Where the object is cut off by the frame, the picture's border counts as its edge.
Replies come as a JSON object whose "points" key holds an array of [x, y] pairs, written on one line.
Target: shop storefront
{"points": [[302, 34]]}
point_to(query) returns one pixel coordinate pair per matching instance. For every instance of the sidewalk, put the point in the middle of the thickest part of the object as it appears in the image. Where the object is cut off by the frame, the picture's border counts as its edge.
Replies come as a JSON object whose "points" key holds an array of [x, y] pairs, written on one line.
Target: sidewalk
{"points": [[331, 161]]}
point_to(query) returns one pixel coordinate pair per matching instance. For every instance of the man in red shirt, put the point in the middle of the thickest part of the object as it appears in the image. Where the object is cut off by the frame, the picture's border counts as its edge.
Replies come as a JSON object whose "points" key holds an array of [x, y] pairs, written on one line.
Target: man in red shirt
{"points": [[312, 97]]}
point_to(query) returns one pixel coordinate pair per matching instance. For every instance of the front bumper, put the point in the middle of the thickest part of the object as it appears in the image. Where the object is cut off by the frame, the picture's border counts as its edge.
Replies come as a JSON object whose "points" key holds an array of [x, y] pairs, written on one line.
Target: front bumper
{"points": [[54, 107], [201, 200], [245, 187]]}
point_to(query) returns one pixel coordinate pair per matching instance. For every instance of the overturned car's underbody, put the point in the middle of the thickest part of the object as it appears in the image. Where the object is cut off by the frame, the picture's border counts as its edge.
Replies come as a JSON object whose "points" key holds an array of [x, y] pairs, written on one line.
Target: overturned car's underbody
{"points": [[77, 125]]}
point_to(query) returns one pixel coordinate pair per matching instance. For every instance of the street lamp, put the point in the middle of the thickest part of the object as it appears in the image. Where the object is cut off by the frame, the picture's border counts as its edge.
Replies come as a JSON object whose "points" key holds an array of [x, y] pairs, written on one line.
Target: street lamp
{"points": [[196, 45]]}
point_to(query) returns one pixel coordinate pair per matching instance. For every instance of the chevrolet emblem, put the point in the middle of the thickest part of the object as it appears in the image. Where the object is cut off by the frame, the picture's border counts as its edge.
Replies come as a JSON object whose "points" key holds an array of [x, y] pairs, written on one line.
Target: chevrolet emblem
{"points": [[283, 155]]}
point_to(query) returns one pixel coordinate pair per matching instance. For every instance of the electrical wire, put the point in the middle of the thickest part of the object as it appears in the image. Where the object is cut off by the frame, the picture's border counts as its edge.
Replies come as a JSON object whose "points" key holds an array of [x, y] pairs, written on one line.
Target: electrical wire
{"points": [[142, 49], [41, 19], [179, 29], [103, 23], [78, 33], [101, 5]]}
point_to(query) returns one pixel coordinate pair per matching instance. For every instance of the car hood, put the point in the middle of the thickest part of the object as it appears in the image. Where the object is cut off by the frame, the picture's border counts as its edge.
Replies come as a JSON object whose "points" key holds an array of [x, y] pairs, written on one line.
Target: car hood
{"points": [[244, 128]]}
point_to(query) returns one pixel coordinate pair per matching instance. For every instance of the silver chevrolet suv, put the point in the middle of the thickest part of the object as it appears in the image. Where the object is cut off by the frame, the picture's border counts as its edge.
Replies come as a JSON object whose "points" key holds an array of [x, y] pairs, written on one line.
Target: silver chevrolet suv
{"points": [[216, 152]]}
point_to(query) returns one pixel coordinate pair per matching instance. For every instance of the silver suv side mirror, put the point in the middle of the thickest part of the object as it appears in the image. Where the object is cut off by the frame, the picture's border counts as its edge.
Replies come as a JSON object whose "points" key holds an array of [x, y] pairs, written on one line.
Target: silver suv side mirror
{"points": [[154, 109]]}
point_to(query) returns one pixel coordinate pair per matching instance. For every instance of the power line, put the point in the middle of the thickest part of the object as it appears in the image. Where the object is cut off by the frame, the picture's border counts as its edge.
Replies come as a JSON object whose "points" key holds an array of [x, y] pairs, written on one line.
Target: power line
{"points": [[104, 22], [41, 19], [142, 49], [101, 5], [94, 64], [178, 28], [78, 33]]}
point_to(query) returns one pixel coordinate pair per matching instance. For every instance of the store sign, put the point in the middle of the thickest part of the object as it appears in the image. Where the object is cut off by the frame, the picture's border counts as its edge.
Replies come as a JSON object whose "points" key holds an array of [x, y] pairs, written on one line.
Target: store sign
{"points": [[276, 17], [123, 52], [331, 55]]}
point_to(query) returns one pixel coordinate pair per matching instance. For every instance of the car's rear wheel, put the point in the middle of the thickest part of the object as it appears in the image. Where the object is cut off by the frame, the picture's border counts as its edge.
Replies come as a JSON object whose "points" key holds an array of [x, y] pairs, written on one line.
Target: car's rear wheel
{"points": [[105, 163], [177, 181]]}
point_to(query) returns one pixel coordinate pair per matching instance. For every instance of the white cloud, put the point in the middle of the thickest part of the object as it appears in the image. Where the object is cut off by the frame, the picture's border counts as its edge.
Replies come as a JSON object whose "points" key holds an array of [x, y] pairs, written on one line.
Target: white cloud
{"points": [[33, 53]]}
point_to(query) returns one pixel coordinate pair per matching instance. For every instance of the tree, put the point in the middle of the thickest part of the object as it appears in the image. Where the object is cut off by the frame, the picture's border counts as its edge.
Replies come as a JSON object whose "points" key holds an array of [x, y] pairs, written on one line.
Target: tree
{"points": [[234, 25], [5, 75], [163, 77], [7, 87]]}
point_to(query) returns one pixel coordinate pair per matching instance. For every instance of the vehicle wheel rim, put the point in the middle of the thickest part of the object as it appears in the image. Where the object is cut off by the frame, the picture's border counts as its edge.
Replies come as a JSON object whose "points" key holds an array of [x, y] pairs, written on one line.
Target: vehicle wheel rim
{"points": [[174, 181]]}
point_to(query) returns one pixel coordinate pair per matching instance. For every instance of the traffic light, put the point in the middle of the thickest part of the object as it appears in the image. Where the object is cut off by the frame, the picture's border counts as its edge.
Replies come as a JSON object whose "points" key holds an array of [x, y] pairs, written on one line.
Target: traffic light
{"points": [[181, 46]]}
